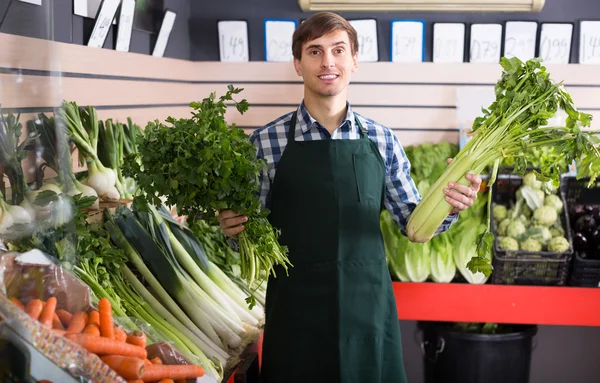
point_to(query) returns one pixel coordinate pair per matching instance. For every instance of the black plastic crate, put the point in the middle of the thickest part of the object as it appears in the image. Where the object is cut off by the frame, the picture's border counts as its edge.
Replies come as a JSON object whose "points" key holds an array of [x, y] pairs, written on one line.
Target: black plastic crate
{"points": [[584, 272], [520, 267]]}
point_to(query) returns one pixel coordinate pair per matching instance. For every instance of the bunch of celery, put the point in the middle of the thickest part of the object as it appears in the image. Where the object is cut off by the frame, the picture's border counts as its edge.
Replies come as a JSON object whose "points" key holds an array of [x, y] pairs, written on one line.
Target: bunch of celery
{"points": [[526, 98]]}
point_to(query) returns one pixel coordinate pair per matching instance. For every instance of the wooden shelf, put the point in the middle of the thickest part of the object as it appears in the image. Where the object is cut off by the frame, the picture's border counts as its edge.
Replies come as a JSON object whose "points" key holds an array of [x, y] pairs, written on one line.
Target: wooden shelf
{"points": [[457, 302]]}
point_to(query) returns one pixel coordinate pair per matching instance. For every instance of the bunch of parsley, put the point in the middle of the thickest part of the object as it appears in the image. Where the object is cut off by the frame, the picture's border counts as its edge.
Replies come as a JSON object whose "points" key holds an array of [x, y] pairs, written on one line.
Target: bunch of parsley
{"points": [[201, 165]]}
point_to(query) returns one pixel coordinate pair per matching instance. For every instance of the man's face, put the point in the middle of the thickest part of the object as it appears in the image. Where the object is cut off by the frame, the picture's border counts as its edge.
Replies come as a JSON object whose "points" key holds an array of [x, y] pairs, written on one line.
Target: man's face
{"points": [[327, 63]]}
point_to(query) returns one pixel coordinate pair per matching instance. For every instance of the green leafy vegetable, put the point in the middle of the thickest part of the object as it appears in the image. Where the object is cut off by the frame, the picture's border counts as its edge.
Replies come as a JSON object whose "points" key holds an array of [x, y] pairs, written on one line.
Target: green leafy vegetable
{"points": [[202, 165], [526, 98]]}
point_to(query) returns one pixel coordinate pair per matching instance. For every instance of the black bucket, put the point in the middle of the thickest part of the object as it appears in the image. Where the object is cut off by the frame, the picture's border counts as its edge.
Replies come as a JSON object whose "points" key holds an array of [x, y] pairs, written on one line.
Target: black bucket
{"points": [[454, 356]]}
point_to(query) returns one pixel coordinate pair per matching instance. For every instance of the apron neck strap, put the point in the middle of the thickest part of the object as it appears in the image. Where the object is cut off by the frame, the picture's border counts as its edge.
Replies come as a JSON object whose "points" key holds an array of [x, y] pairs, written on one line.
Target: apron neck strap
{"points": [[291, 136]]}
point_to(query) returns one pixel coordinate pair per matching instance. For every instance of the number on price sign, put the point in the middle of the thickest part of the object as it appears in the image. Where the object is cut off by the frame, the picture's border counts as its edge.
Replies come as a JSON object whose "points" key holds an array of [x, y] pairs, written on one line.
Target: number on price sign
{"points": [[367, 39], [233, 41], [589, 45], [486, 43], [278, 40], [520, 39], [555, 43], [408, 41], [448, 42]]}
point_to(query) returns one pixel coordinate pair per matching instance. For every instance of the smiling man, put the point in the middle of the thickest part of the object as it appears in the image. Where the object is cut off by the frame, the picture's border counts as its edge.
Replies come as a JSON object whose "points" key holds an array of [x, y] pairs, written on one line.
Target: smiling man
{"points": [[330, 173]]}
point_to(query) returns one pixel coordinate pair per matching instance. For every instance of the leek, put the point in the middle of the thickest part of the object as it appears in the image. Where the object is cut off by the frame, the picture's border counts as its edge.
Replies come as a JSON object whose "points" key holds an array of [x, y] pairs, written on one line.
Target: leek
{"points": [[166, 273], [228, 327], [526, 98], [207, 346], [206, 274]]}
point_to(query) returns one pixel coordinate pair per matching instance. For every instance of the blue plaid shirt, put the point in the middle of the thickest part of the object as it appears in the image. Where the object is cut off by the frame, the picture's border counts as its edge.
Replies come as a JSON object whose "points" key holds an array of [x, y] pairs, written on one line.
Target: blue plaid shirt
{"points": [[401, 195]]}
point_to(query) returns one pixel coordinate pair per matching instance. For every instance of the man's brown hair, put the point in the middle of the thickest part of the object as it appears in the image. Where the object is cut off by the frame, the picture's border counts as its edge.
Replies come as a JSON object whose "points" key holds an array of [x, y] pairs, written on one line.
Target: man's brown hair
{"points": [[321, 24]]}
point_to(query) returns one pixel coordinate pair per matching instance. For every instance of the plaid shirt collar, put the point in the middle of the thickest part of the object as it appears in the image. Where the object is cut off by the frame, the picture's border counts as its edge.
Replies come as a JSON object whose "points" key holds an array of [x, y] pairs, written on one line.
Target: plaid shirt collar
{"points": [[306, 122]]}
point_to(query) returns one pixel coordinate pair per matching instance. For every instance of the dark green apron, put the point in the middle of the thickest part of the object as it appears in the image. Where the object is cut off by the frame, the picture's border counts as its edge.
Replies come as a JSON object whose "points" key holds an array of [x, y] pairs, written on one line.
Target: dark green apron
{"points": [[334, 318]]}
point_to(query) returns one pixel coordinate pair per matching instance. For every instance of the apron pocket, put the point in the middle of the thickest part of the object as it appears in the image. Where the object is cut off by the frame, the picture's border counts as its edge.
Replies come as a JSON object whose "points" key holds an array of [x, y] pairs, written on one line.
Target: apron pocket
{"points": [[367, 187]]}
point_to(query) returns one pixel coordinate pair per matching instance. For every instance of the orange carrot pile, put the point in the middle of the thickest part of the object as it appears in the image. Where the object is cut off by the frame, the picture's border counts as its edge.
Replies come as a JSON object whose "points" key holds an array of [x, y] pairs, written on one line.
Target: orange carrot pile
{"points": [[96, 332]]}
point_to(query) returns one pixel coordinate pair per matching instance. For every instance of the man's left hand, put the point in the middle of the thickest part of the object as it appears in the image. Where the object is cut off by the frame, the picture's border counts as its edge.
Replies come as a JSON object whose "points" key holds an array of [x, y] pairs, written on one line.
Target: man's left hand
{"points": [[461, 197]]}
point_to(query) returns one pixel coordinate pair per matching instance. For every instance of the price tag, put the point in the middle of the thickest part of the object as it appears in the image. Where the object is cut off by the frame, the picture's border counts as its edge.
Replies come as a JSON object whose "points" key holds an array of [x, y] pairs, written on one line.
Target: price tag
{"points": [[448, 42], [164, 33], [555, 43], [589, 44], [486, 43], [520, 39], [103, 22], [367, 39], [125, 25], [408, 41], [278, 40], [233, 41]]}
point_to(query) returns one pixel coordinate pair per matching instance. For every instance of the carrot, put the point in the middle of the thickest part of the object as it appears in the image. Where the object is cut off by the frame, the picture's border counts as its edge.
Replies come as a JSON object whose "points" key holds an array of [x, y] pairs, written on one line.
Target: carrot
{"points": [[147, 362], [157, 372], [48, 312], [156, 360], [137, 338], [106, 346], [107, 329], [181, 381], [92, 329], [34, 308], [128, 367], [135, 381], [65, 317], [17, 303], [94, 317], [59, 332], [166, 381], [120, 334], [78, 323], [56, 323]]}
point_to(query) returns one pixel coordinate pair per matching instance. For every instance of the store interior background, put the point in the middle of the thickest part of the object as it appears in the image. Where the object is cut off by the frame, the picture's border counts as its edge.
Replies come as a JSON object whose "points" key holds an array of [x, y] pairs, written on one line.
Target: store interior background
{"points": [[562, 354]]}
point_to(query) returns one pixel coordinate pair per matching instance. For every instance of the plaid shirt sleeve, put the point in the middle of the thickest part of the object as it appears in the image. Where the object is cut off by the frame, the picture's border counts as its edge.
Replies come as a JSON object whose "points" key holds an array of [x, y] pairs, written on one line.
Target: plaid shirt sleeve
{"points": [[402, 196]]}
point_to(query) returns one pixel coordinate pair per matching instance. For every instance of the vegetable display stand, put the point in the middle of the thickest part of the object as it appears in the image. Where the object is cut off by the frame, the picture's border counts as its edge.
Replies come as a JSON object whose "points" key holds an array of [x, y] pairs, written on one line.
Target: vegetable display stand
{"points": [[21, 361], [519, 267], [246, 372], [583, 201], [452, 355]]}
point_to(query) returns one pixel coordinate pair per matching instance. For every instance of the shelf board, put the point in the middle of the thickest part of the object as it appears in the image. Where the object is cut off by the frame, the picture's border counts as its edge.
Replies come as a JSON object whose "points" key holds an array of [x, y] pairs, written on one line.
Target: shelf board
{"points": [[458, 302]]}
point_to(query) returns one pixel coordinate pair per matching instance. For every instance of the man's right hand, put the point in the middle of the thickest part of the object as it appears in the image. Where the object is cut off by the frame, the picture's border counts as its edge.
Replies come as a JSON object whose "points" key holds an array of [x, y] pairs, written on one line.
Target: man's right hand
{"points": [[231, 223]]}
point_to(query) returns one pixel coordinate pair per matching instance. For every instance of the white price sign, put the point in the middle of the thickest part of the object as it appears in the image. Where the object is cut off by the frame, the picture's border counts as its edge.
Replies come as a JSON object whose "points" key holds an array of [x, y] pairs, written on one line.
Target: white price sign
{"points": [[164, 33], [125, 25], [278, 40], [486, 43], [555, 43], [103, 23], [448, 42], [367, 39], [233, 41], [408, 41], [520, 39], [589, 44]]}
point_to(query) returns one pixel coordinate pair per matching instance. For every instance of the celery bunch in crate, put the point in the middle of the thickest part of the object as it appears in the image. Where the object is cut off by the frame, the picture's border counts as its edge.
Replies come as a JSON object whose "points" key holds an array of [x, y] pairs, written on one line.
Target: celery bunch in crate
{"points": [[202, 165], [526, 97]]}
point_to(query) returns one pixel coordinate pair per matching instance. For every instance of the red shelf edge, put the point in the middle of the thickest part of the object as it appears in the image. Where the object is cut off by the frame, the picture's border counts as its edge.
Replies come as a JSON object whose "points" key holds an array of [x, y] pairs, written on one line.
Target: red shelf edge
{"points": [[457, 302]]}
